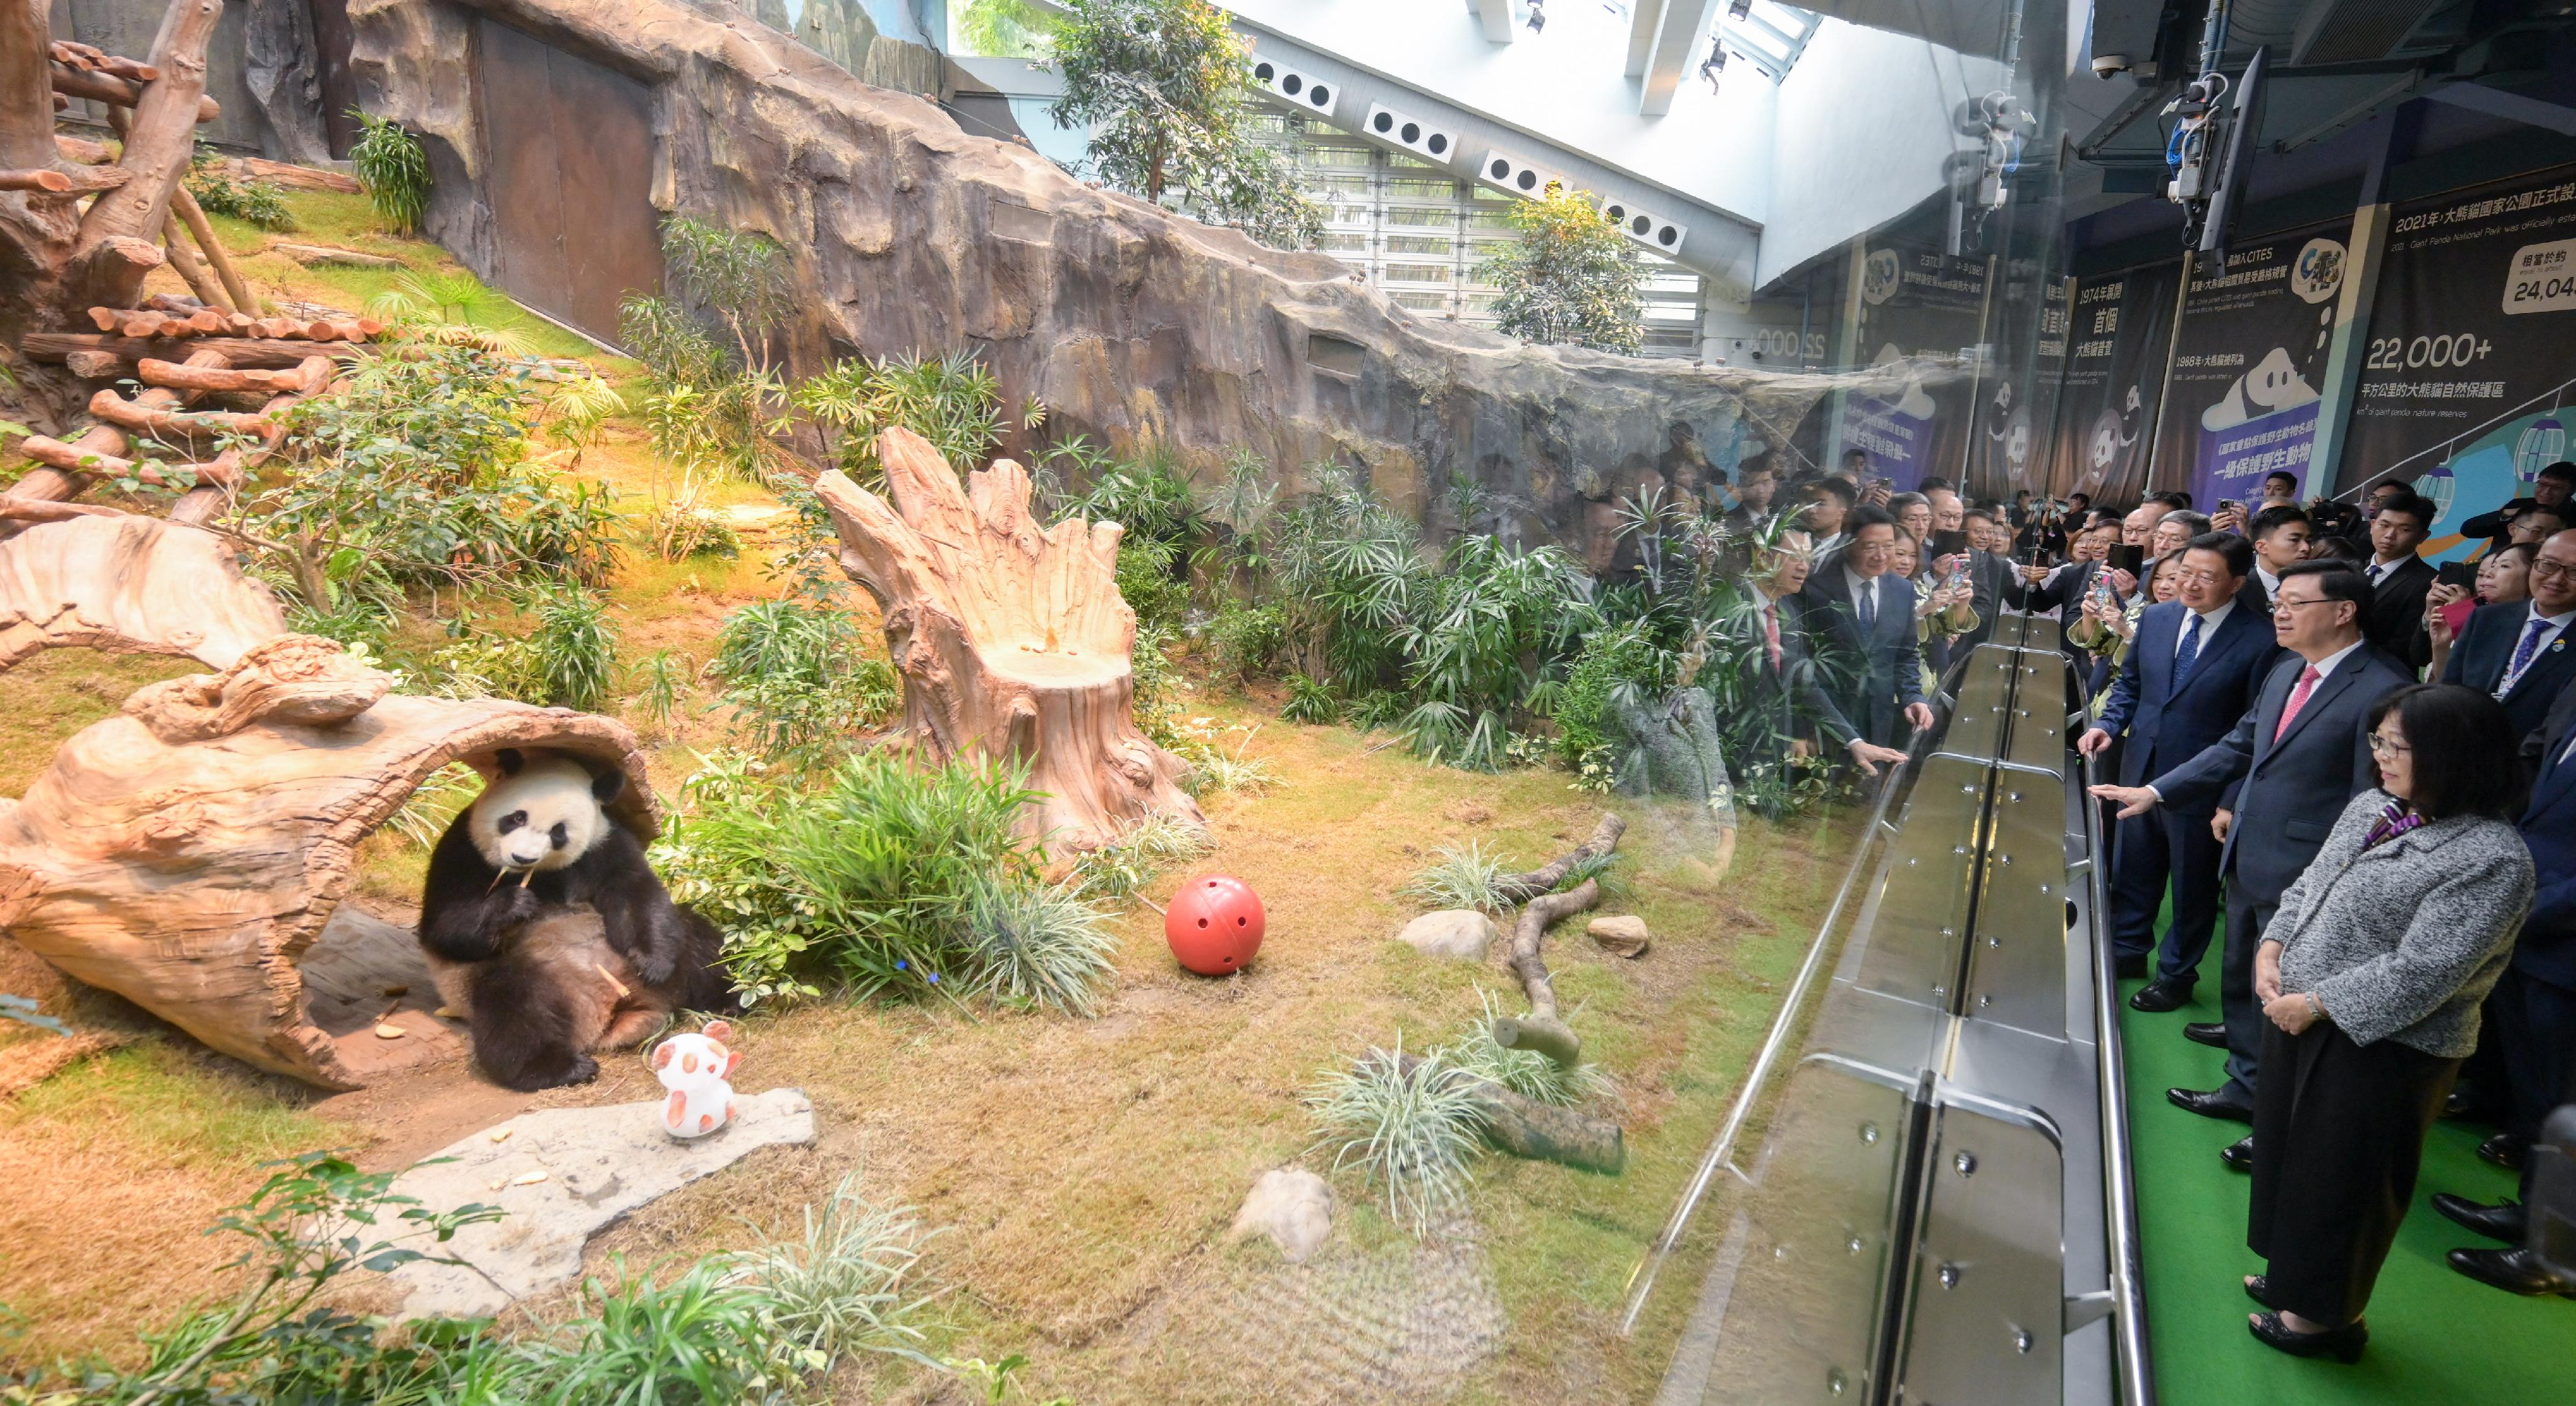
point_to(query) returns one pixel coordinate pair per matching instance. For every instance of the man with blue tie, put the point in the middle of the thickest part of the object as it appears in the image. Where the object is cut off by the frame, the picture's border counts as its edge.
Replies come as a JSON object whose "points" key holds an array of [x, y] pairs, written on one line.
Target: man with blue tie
{"points": [[1869, 616], [2535, 1009], [2279, 779], [2194, 670], [2519, 653]]}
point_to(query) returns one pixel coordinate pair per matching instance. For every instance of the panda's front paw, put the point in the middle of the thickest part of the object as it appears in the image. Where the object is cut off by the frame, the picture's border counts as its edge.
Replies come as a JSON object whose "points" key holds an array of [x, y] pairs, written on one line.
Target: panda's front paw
{"points": [[655, 966], [583, 1070], [518, 902]]}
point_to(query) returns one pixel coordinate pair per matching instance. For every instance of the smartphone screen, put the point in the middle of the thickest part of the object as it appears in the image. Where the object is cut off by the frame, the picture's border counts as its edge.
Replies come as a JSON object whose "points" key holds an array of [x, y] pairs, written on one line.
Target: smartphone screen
{"points": [[2128, 558], [2463, 574]]}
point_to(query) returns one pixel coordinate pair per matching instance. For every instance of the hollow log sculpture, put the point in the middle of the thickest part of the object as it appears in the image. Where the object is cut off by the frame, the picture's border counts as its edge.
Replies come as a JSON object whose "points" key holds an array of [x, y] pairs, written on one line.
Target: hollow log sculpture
{"points": [[1542, 1029], [187, 853], [1672, 748], [129, 585], [1012, 640]]}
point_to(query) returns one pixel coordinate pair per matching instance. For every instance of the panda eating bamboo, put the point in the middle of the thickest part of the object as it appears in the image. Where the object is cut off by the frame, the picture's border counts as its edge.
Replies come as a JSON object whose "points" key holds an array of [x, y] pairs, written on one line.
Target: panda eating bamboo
{"points": [[544, 923]]}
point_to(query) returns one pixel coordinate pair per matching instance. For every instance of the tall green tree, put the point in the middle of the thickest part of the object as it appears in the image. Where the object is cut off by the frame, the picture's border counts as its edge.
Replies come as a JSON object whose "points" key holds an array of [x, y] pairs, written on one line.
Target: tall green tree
{"points": [[1570, 277], [1160, 82]]}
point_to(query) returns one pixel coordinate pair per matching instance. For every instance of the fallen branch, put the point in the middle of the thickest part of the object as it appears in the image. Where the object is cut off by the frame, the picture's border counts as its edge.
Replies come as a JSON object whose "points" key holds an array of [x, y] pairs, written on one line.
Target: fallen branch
{"points": [[1520, 888], [49, 181], [117, 92], [308, 376], [331, 254], [153, 420], [240, 351], [1541, 1132], [1542, 1029], [194, 217]]}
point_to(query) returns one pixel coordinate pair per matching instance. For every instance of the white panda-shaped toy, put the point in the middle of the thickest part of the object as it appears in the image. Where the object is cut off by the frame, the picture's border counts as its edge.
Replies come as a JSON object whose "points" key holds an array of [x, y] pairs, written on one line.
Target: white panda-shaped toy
{"points": [[696, 1068]]}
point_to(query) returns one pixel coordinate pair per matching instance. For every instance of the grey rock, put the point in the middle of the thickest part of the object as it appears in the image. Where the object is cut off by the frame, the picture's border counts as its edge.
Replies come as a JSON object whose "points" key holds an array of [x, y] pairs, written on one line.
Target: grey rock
{"points": [[1291, 1205], [1672, 748], [1462, 933], [598, 1165], [1135, 326]]}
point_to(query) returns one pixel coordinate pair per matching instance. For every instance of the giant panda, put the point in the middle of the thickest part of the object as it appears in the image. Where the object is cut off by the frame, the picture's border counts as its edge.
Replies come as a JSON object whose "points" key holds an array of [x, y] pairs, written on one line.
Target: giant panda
{"points": [[546, 927]]}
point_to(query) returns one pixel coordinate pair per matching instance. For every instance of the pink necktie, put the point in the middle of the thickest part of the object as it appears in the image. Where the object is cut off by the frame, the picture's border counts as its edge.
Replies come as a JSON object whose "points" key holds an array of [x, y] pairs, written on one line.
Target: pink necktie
{"points": [[1771, 632], [2298, 699]]}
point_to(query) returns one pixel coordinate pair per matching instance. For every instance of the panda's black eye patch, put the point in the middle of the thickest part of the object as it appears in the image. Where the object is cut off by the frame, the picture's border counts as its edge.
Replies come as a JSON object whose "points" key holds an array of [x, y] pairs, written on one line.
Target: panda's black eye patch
{"points": [[560, 834], [510, 822]]}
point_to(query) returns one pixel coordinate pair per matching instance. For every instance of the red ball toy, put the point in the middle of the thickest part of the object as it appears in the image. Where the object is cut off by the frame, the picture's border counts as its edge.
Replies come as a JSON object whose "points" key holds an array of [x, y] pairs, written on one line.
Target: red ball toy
{"points": [[1214, 925]]}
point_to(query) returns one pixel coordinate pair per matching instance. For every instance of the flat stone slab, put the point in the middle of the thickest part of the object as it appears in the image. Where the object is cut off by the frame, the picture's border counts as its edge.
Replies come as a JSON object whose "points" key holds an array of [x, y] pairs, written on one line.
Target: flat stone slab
{"points": [[562, 1174], [1291, 1205], [1462, 934]]}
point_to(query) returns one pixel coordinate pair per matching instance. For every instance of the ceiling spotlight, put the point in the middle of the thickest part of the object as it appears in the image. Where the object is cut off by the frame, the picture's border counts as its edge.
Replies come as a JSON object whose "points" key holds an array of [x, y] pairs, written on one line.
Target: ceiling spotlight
{"points": [[1715, 65], [1738, 9], [1538, 16]]}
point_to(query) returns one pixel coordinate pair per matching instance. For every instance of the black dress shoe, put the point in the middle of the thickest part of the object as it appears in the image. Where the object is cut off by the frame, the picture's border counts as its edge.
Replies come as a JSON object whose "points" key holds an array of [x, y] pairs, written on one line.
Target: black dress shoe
{"points": [[2516, 1271], [2213, 1104], [2258, 1287], [2461, 1103], [2129, 968], [2506, 1221], [2212, 1033], [2503, 1150], [2343, 1344], [2161, 995], [2238, 1155]]}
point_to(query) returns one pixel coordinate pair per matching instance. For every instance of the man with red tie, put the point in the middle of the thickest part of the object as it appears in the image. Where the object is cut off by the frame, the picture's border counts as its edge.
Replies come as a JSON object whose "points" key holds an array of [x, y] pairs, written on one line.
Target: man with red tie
{"points": [[1787, 685], [2279, 780]]}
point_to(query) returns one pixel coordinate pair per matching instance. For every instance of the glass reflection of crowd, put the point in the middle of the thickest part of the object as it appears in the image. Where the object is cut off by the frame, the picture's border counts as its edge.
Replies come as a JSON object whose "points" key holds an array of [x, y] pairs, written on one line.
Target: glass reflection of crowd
{"points": [[2350, 770]]}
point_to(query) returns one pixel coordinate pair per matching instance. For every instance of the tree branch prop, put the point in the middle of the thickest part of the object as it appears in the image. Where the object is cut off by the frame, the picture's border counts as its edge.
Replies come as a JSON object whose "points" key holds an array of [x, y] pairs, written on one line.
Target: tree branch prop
{"points": [[1542, 1029], [1541, 1132]]}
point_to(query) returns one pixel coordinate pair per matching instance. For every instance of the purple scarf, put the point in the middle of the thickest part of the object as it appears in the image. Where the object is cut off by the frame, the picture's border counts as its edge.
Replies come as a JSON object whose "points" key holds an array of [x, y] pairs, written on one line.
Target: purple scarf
{"points": [[2396, 820]]}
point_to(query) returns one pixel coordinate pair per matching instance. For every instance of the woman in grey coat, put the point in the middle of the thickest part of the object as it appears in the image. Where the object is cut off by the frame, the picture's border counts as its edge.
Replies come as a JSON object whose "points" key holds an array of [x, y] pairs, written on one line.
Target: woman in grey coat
{"points": [[2371, 974]]}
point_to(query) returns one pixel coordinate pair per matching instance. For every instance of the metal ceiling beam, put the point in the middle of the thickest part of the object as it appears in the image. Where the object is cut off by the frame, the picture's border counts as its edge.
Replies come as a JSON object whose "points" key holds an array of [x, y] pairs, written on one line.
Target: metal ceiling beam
{"points": [[1643, 15], [1677, 36], [2512, 107], [1496, 17]]}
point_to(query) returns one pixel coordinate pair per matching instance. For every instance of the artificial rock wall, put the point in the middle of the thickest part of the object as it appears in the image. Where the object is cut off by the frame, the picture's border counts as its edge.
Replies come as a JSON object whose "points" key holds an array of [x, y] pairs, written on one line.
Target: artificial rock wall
{"points": [[1132, 324]]}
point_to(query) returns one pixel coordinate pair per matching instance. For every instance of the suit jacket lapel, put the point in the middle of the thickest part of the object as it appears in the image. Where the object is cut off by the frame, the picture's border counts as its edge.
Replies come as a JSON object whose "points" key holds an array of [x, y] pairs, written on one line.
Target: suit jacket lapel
{"points": [[2556, 779]]}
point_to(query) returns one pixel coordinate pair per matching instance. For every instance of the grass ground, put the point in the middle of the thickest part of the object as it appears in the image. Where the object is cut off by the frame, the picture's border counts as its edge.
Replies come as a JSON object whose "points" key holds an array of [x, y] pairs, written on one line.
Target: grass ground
{"points": [[1086, 1171]]}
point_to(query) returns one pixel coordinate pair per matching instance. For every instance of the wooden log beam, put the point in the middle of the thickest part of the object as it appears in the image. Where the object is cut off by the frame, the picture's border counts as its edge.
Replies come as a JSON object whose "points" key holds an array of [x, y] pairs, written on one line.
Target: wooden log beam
{"points": [[26, 113], [160, 139], [1520, 888], [118, 92], [46, 179], [138, 418], [46, 510], [73, 54], [72, 458], [307, 378], [81, 151], [52, 347], [216, 254]]}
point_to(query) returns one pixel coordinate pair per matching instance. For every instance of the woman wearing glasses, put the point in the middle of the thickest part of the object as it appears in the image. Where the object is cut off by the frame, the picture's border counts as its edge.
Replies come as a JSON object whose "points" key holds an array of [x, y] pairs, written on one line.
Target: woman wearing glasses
{"points": [[2370, 975]]}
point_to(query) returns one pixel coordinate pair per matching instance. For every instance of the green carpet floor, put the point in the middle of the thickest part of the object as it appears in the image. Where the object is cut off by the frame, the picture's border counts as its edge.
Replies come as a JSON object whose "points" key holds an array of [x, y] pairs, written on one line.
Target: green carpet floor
{"points": [[2435, 1337]]}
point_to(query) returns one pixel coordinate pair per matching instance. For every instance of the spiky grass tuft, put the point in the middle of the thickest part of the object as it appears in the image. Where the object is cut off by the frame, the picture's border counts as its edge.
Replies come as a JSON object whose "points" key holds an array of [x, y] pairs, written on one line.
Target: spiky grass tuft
{"points": [[1461, 876], [1120, 869], [1045, 946], [849, 1285], [1408, 1126]]}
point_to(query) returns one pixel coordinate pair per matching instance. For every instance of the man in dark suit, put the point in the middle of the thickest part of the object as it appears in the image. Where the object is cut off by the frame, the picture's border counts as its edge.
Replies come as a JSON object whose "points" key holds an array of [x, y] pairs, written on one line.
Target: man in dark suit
{"points": [[2519, 653], [2399, 578], [1786, 687], [2553, 488], [2197, 665], [2278, 778], [1987, 570], [1867, 611], [2280, 537], [2535, 1009]]}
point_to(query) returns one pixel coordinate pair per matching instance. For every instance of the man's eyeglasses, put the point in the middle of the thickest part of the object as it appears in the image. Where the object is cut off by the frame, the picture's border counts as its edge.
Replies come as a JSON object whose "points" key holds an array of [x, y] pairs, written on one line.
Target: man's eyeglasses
{"points": [[2280, 605], [2543, 569], [2185, 576]]}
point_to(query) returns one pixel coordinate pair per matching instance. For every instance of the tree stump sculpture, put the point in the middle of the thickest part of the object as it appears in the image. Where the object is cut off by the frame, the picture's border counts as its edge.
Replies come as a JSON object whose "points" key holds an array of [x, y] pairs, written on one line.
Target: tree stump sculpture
{"points": [[188, 853], [1672, 749], [1012, 640]]}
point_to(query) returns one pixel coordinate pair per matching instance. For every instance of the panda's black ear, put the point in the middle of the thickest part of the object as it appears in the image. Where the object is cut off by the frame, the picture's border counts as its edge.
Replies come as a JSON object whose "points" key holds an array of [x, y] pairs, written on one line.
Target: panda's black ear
{"points": [[510, 761], [608, 786]]}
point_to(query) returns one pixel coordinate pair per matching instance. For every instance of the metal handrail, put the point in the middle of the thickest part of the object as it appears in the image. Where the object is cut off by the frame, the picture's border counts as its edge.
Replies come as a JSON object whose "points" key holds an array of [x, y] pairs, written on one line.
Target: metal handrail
{"points": [[1641, 1280], [2119, 1188]]}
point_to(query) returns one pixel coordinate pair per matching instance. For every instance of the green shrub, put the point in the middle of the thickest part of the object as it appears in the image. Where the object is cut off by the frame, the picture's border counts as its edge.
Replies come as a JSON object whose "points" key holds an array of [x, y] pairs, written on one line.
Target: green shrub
{"points": [[953, 401], [1250, 640], [1149, 498], [248, 201], [1310, 702], [1121, 868], [1039, 945], [1149, 581], [1609, 662], [661, 683], [797, 680], [394, 168], [863, 883], [573, 648]]}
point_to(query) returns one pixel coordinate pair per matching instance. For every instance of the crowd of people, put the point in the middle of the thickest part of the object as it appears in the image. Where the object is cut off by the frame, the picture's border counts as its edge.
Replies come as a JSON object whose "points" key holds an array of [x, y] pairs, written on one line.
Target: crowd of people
{"points": [[2350, 769]]}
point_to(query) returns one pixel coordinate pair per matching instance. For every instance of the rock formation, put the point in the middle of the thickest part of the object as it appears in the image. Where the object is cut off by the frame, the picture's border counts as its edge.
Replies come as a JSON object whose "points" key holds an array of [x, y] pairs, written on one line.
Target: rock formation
{"points": [[1132, 324]]}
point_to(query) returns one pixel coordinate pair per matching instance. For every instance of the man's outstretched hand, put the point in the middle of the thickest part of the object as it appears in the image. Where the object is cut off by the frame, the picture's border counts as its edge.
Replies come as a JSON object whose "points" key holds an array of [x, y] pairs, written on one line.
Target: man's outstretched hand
{"points": [[1919, 714], [2134, 800], [2094, 742], [1864, 754]]}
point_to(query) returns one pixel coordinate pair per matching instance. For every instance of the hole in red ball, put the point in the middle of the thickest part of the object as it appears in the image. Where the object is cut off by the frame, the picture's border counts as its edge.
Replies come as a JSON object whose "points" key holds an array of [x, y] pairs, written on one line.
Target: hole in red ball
{"points": [[1202, 922], [1239, 922]]}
